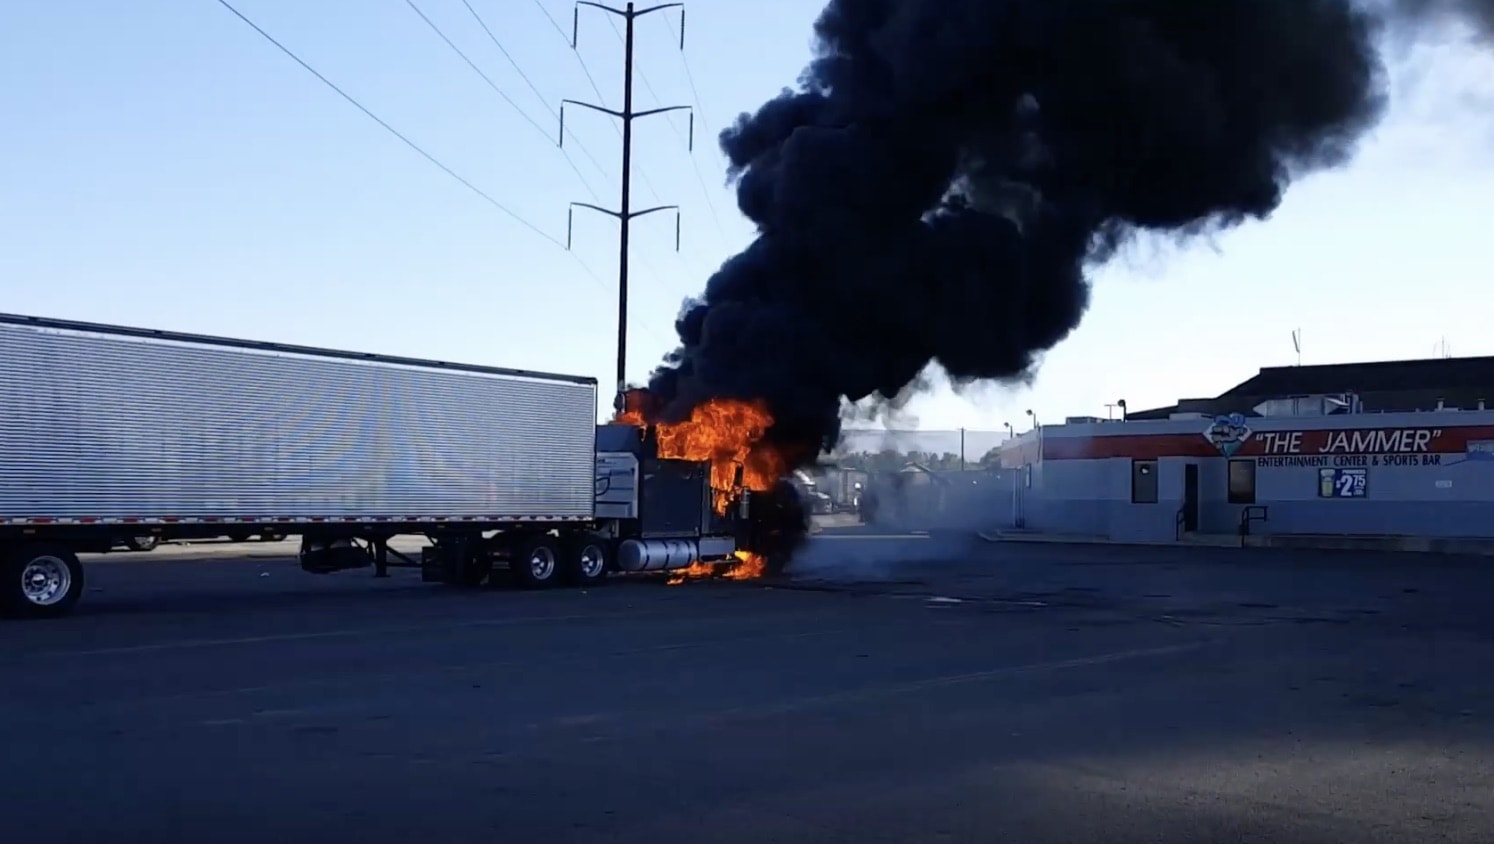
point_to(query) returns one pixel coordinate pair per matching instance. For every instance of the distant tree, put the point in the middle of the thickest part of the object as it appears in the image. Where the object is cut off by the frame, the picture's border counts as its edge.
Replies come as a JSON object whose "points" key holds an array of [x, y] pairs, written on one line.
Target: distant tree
{"points": [[886, 460]]}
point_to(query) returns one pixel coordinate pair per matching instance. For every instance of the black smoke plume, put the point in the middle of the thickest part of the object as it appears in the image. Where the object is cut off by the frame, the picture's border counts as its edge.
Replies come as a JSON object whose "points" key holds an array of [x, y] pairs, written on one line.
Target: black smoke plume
{"points": [[947, 172], [1479, 13]]}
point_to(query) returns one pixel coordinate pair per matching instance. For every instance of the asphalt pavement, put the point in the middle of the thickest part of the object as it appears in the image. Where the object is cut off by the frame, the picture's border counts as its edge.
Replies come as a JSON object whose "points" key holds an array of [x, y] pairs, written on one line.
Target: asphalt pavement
{"points": [[899, 688]]}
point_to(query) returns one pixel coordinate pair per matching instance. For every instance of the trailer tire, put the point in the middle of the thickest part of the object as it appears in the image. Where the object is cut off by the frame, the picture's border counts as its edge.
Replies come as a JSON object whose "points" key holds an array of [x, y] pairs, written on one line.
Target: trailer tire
{"points": [[147, 542], [40, 581], [588, 560], [537, 562]]}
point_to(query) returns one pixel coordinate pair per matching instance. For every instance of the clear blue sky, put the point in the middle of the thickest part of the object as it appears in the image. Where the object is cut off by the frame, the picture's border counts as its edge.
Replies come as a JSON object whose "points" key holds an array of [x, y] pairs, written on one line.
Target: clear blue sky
{"points": [[166, 166]]}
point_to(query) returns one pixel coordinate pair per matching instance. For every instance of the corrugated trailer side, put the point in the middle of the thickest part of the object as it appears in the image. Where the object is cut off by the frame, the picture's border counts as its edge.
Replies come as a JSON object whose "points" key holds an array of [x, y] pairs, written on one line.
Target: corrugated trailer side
{"points": [[100, 427], [108, 431]]}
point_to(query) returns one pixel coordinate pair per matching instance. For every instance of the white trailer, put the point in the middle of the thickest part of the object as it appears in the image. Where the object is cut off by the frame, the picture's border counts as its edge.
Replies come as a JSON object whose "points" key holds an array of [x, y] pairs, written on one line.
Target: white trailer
{"points": [[111, 434]]}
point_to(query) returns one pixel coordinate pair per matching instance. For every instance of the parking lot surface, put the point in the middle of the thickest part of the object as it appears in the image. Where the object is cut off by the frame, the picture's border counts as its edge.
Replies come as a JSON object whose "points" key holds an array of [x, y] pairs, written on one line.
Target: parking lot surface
{"points": [[900, 688]]}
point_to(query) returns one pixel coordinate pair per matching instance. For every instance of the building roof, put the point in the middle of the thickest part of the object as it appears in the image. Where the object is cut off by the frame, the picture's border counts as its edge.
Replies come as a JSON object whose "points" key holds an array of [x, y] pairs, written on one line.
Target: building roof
{"points": [[1375, 377], [1382, 386]]}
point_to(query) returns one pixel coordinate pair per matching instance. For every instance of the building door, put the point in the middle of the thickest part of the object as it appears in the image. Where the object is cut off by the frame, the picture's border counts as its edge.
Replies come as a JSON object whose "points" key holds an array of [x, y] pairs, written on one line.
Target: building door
{"points": [[1190, 497]]}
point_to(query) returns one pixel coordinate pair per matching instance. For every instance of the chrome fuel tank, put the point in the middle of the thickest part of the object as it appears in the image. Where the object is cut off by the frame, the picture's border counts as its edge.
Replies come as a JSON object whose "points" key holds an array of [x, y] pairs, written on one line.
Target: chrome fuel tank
{"points": [[640, 555], [657, 554]]}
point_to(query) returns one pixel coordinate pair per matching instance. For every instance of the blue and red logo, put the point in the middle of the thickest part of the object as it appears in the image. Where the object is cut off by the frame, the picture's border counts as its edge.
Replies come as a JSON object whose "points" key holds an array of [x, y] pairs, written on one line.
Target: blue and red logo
{"points": [[1228, 432]]}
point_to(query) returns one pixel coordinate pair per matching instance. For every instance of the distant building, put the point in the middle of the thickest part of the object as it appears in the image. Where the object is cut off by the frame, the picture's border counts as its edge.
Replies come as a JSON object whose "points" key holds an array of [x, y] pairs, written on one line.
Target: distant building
{"points": [[1399, 448]]}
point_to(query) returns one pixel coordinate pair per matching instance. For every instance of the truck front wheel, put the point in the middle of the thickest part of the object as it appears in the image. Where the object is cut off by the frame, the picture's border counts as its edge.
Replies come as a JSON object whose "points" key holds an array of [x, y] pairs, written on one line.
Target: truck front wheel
{"points": [[40, 581]]}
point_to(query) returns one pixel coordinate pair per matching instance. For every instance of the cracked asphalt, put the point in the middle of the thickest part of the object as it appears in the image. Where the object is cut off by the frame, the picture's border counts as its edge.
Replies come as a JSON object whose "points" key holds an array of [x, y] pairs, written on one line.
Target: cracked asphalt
{"points": [[898, 688]]}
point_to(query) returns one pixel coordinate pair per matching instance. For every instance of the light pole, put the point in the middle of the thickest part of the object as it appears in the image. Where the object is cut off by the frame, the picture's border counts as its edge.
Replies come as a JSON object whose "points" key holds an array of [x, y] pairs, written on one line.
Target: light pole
{"points": [[1011, 435], [1038, 427]]}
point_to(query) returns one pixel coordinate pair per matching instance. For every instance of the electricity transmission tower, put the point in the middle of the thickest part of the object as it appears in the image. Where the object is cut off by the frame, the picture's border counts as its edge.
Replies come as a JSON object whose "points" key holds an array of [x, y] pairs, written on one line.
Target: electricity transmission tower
{"points": [[625, 213]]}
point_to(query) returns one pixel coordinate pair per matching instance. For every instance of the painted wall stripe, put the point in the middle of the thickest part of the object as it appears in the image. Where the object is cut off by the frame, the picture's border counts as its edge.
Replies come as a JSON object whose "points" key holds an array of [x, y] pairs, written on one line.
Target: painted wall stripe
{"points": [[1428, 439]]}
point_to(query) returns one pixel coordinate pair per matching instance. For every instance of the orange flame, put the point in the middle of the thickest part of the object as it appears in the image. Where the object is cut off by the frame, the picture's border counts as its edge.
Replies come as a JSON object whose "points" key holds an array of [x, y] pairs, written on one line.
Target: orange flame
{"points": [[727, 433], [748, 566], [694, 571], [751, 566]]}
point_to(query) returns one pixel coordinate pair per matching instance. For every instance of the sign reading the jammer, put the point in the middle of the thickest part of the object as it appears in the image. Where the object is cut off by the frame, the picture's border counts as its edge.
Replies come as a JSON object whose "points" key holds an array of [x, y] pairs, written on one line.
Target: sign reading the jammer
{"points": [[1361, 447]]}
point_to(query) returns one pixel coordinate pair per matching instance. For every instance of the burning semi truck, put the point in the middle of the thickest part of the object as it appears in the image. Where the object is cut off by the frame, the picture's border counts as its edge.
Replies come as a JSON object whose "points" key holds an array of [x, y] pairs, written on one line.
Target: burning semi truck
{"points": [[109, 433]]}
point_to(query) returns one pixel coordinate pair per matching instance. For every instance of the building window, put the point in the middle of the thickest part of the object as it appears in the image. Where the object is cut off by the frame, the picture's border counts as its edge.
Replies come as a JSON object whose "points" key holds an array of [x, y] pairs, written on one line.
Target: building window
{"points": [[1143, 482], [1242, 481]]}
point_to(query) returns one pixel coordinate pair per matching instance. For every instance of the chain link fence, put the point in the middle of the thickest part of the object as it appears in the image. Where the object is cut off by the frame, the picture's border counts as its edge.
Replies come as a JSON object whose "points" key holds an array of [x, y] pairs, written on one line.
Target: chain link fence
{"points": [[915, 479], [939, 451]]}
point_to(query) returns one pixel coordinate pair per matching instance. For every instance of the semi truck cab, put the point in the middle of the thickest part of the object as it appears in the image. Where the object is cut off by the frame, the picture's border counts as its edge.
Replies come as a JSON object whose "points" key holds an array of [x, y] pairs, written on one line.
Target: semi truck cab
{"points": [[660, 511]]}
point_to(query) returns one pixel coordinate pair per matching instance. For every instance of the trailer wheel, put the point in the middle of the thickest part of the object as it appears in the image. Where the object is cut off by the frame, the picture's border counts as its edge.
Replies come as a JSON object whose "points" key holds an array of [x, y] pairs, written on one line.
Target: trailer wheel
{"points": [[147, 542], [537, 562], [40, 581], [588, 560]]}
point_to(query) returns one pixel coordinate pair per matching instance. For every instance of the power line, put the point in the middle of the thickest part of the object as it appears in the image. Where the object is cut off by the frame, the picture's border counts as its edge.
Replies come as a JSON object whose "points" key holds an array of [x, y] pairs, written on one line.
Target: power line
{"points": [[532, 87], [553, 111], [690, 78], [694, 164], [625, 212], [643, 176], [585, 268], [584, 69], [596, 89], [705, 125], [500, 92], [496, 43], [393, 131], [602, 100]]}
